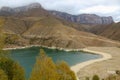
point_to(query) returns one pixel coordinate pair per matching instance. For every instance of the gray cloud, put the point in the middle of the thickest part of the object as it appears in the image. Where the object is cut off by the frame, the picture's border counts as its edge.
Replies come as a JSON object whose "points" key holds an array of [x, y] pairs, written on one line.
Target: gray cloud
{"points": [[100, 7]]}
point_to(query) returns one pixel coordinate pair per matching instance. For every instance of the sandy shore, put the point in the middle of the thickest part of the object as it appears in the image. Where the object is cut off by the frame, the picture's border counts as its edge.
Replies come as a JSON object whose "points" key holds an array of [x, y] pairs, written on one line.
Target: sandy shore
{"points": [[103, 67], [105, 56], [77, 67]]}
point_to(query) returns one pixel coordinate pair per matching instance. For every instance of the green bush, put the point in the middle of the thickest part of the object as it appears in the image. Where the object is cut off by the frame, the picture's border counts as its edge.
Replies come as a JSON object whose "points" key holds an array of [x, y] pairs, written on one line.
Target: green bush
{"points": [[95, 77], [12, 69], [3, 76], [11, 39]]}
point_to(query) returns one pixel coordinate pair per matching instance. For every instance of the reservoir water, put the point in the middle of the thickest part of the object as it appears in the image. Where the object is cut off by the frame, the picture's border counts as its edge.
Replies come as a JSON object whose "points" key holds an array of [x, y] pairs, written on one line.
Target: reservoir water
{"points": [[27, 57]]}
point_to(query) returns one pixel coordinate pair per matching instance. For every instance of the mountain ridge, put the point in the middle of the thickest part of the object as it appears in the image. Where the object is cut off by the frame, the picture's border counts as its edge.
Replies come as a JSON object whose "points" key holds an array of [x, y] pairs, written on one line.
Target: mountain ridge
{"points": [[84, 18], [81, 18], [49, 31], [37, 27]]}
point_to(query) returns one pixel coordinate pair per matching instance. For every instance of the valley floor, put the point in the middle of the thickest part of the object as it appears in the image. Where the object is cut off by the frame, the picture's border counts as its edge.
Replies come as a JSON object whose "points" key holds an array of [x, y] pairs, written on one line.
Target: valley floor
{"points": [[108, 65]]}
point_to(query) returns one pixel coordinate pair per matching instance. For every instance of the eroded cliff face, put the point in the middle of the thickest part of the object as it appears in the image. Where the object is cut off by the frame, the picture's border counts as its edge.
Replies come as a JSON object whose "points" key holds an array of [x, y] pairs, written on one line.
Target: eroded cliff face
{"points": [[107, 20], [84, 18], [31, 10]]}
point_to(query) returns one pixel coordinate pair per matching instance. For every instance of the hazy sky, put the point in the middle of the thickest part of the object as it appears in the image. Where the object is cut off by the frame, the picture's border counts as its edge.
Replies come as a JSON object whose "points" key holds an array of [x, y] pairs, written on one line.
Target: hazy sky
{"points": [[99, 7]]}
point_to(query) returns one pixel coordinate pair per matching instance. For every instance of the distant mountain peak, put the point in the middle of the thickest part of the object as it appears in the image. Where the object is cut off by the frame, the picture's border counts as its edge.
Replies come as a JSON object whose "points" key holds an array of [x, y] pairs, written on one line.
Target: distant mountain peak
{"points": [[22, 8], [34, 5], [27, 7], [5, 8]]}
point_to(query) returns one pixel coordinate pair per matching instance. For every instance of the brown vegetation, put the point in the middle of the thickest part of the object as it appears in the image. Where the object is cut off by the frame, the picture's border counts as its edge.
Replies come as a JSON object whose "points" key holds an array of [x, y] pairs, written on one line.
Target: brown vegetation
{"points": [[46, 69]]}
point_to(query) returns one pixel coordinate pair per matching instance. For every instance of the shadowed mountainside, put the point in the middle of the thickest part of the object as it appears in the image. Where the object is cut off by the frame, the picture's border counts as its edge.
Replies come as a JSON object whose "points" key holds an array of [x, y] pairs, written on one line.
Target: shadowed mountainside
{"points": [[112, 31]]}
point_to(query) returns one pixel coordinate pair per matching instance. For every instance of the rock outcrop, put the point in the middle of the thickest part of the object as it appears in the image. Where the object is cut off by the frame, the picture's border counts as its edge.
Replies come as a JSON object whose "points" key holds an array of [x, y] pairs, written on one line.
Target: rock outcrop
{"points": [[28, 7], [84, 18], [6, 11], [107, 20], [32, 10]]}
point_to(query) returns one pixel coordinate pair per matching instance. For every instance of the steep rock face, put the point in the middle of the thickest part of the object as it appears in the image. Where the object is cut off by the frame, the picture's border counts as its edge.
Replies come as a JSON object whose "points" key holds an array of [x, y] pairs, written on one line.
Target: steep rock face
{"points": [[28, 7], [6, 11], [89, 19], [83, 18], [107, 20], [31, 10]]}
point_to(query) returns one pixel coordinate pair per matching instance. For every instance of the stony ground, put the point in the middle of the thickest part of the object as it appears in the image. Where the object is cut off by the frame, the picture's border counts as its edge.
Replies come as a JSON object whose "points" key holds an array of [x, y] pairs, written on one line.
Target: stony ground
{"points": [[103, 68]]}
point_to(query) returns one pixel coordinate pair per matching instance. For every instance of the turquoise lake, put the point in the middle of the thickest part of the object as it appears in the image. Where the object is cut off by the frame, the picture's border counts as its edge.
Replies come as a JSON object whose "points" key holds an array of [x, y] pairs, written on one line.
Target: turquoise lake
{"points": [[27, 57]]}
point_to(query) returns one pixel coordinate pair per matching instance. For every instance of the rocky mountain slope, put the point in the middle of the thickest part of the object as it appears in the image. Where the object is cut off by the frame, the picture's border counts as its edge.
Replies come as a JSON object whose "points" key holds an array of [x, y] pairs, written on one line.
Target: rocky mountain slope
{"points": [[112, 31], [41, 28], [13, 25], [49, 31], [83, 18]]}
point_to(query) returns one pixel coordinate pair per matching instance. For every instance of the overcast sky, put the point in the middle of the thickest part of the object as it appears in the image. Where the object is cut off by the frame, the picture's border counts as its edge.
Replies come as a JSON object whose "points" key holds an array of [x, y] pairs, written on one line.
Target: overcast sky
{"points": [[99, 7]]}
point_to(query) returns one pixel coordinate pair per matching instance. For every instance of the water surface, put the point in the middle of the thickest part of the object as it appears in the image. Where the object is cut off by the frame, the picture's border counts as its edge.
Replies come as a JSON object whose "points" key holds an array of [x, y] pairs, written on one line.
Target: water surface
{"points": [[27, 57]]}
